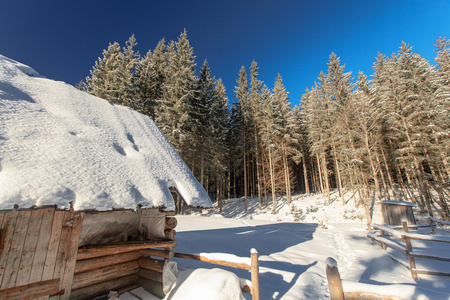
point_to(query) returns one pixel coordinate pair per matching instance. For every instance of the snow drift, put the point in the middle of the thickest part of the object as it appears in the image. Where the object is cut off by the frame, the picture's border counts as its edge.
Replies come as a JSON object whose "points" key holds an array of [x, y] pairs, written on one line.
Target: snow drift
{"points": [[60, 145]]}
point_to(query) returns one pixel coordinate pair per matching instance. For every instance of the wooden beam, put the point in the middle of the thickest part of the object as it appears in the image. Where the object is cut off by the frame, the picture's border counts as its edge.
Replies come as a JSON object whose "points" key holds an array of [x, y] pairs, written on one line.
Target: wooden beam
{"points": [[70, 240], [334, 280], [158, 253], [9, 223], [243, 266], [255, 274], [427, 272], [104, 274], [104, 261], [425, 256], [170, 234], [103, 250], [151, 264], [52, 249], [103, 288], [150, 274], [171, 222], [15, 250], [29, 248], [363, 295], [31, 291], [45, 234]]}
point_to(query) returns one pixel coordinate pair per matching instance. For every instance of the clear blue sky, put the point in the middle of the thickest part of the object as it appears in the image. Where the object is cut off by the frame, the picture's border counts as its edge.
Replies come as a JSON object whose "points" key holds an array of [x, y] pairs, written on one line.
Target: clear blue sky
{"points": [[62, 39]]}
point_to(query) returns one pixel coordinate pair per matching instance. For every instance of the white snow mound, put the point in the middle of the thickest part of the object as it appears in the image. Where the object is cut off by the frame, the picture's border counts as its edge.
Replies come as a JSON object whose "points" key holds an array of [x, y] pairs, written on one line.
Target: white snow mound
{"points": [[60, 145], [205, 284]]}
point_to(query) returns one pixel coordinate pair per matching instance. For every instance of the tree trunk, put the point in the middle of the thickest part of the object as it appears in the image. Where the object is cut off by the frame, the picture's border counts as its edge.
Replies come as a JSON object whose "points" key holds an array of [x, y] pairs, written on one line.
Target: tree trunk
{"points": [[305, 174], [272, 182], [286, 175], [320, 174], [325, 174], [258, 176], [245, 175], [339, 183]]}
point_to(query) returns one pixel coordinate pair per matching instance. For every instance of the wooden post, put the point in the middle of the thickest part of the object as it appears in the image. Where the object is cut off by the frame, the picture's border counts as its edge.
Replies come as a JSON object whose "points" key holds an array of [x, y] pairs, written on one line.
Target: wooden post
{"points": [[334, 280], [412, 263], [431, 225], [254, 274], [383, 245]]}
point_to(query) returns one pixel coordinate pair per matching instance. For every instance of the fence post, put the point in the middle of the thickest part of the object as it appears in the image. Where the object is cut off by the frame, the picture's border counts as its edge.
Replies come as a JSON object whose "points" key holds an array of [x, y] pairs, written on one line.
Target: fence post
{"points": [[383, 245], [334, 280], [431, 225], [254, 269], [412, 262]]}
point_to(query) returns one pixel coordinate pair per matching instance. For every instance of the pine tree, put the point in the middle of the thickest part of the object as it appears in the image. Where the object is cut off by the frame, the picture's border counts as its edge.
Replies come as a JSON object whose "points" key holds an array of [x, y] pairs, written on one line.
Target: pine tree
{"points": [[283, 130], [241, 93], [255, 100], [129, 67], [173, 116], [106, 79]]}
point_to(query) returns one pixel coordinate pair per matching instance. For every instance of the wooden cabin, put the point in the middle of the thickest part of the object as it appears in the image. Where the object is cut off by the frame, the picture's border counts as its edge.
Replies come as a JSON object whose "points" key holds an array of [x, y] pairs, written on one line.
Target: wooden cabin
{"points": [[79, 255], [85, 192]]}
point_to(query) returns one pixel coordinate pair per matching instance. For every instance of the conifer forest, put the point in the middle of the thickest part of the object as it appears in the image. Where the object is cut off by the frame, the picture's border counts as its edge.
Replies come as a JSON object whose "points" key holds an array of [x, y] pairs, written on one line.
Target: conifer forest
{"points": [[380, 136]]}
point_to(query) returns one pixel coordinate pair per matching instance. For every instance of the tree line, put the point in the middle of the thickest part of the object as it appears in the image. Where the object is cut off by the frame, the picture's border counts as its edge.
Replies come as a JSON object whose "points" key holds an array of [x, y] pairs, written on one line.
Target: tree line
{"points": [[385, 138]]}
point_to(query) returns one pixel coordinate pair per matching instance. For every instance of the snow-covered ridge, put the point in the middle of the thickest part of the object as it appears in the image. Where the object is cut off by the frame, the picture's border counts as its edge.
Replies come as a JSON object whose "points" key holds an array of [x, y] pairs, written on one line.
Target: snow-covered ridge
{"points": [[61, 145]]}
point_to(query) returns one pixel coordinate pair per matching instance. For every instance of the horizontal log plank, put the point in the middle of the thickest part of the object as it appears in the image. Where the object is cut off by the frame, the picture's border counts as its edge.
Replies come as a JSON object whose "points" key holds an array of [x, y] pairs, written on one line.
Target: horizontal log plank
{"points": [[158, 253], [103, 288], [151, 264], [170, 234], [424, 237], [387, 242], [171, 222], [363, 295], [104, 261], [104, 274], [32, 290], [104, 250], [425, 256], [213, 261], [438, 220], [388, 229], [150, 274], [412, 226], [426, 272]]}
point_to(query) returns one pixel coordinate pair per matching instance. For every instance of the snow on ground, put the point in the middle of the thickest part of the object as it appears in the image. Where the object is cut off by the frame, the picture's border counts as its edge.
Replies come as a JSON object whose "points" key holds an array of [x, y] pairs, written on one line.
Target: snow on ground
{"points": [[292, 255], [60, 145]]}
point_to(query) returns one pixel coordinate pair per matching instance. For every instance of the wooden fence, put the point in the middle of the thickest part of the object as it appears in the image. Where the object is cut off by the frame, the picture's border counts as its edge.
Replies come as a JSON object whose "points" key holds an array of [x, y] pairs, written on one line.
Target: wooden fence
{"points": [[337, 291], [402, 241], [253, 267]]}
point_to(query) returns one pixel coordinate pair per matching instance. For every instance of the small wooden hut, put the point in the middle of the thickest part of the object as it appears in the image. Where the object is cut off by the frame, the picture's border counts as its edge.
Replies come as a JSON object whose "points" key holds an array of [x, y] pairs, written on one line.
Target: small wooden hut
{"points": [[85, 192], [59, 253]]}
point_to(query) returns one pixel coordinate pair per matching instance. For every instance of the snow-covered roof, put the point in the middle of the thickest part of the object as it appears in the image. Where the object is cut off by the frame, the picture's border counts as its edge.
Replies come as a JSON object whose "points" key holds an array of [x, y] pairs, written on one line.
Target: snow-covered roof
{"points": [[60, 145]]}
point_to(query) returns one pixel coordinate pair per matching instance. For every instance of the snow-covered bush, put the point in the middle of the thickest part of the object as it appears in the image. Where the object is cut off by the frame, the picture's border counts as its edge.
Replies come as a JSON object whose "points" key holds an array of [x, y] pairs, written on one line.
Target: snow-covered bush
{"points": [[353, 214], [312, 208], [296, 213]]}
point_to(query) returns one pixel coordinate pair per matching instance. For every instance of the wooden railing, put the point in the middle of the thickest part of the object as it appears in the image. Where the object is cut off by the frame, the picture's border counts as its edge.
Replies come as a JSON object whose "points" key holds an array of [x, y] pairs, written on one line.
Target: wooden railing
{"points": [[402, 242], [253, 267]]}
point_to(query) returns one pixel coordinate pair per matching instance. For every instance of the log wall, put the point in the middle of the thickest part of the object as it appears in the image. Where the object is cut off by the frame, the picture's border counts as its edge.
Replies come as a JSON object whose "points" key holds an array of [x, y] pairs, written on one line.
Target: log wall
{"points": [[41, 248], [102, 268]]}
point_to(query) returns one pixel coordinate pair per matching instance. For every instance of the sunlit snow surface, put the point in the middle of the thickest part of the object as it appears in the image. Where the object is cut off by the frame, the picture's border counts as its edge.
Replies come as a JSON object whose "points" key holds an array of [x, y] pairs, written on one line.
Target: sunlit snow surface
{"points": [[293, 255], [61, 145]]}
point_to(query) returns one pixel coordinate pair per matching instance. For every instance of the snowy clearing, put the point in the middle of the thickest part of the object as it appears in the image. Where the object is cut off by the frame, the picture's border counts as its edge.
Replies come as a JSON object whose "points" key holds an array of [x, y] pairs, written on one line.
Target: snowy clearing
{"points": [[292, 255]]}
